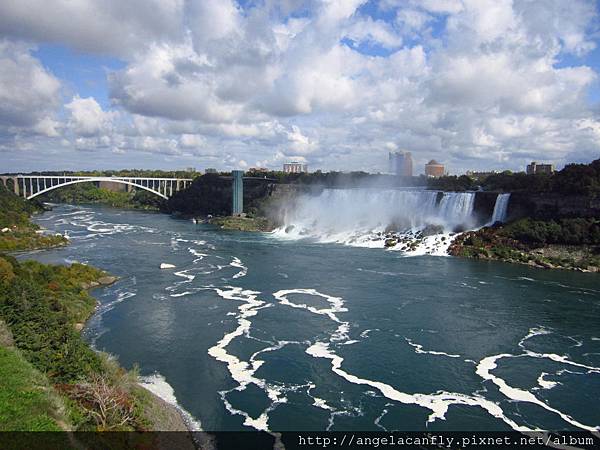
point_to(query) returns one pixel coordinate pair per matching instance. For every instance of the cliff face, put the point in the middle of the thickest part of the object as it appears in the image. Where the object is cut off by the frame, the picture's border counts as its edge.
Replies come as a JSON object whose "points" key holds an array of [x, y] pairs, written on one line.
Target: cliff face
{"points": [[542, 206], [280, 198], [484, 206], [552, 206]]}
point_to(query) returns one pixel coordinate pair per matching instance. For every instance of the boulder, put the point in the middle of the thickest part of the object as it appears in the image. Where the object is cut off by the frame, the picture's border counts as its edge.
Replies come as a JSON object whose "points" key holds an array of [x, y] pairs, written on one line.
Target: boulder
{"points": [[431, 230], [106, 280], [390, 242]]}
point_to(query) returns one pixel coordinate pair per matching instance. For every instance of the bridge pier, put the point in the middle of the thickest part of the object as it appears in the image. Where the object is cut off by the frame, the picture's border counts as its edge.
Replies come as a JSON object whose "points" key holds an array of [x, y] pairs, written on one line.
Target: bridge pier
{"points": [[238, 192]]}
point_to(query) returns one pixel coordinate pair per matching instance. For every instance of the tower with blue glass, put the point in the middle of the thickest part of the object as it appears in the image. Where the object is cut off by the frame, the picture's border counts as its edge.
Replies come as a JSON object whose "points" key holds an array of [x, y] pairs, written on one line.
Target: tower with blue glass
{"points": [[238, 192]]}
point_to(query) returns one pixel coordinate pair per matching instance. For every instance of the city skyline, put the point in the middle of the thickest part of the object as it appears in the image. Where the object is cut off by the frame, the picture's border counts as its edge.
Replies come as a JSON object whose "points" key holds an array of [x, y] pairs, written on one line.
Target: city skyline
{"points": [[334, 84]]}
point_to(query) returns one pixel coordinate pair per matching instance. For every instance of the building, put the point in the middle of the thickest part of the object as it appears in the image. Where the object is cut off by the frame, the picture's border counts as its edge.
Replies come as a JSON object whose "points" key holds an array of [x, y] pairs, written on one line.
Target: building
{"points": [[401, 164], [535, 168], [258, 170], [210, 170], [295, 167], [480, 176], [238, 192], [434, 169]]}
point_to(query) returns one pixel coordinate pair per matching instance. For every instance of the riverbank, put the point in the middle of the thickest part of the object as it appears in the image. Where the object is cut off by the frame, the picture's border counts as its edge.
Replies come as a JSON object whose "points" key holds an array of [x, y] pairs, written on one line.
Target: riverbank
{"points": [[52, 379], [69, 386], [572, 244], [17, 232], [237, 223]]}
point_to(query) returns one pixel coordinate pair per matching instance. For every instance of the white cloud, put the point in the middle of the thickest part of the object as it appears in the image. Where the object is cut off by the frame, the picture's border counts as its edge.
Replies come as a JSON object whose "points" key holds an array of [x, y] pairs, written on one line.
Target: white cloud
{"points": [[472, 83], [29, 94], [88, 118]]}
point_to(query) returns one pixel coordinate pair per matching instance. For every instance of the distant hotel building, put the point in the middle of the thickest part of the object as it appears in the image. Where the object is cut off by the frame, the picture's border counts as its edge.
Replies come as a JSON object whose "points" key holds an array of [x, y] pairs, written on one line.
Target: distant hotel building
{"points": [[295, 167], [535, 168], [481, 175], [434, 169], [401, 164]]}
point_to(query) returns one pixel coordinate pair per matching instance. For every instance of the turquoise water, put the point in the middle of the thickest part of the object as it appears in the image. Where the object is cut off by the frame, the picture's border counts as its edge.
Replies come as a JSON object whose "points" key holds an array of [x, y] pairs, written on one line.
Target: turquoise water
{"points": [[250, 331]]}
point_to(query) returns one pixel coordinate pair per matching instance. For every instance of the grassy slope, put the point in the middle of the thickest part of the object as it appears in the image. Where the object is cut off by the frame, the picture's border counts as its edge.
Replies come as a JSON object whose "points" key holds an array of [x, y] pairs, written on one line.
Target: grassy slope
{"points": [[41, 305], [27, 401]]}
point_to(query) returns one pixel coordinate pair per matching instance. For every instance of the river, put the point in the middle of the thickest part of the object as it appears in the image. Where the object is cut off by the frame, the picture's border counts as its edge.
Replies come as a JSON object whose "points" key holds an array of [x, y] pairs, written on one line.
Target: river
{"points": [[253, 331]]}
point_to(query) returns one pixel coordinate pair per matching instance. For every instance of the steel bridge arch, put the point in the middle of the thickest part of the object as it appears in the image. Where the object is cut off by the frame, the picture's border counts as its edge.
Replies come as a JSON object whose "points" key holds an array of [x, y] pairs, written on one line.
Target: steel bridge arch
{"points": [[89, 180]]}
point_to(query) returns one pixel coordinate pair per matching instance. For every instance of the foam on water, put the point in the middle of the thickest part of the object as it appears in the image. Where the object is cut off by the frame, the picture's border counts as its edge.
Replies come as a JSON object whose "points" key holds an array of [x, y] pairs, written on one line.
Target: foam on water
{"points": [[158, 385], [419, 349], [237, 263], [486, 365]]}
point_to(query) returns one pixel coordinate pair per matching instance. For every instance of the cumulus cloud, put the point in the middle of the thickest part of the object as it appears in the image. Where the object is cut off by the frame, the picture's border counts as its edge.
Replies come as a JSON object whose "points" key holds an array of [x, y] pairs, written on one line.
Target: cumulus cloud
{"points": [[88, 118], [113, 27], [29, 94], [472, 83]]}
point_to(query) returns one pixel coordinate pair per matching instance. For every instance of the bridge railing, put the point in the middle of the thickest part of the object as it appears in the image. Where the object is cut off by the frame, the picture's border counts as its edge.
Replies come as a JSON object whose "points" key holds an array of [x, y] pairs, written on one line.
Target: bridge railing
{"points": [[30, 186]]}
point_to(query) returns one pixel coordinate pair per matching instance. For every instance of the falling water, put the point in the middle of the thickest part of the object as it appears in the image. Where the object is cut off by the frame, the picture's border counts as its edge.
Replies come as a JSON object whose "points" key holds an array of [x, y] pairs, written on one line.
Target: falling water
{"points": [[367, 217], [500, 209]]}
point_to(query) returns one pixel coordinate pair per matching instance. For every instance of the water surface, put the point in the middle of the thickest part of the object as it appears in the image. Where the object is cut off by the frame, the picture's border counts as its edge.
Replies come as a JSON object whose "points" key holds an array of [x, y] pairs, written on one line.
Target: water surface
{"points": [[252, 331]]}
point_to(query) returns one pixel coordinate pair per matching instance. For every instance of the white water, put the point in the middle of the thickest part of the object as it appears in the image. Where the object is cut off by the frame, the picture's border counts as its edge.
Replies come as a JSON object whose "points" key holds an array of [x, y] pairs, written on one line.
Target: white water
{"points": [[367, 217], [500, 209]]}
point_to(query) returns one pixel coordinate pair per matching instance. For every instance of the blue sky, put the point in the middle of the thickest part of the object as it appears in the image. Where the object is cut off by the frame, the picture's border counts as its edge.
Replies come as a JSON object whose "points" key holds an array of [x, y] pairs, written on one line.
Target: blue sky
{"points": [[476, 84]]}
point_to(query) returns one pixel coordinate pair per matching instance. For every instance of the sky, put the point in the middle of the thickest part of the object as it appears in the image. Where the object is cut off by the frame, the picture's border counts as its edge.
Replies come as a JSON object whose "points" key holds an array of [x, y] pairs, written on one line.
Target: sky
{"points": [[338, 84]]}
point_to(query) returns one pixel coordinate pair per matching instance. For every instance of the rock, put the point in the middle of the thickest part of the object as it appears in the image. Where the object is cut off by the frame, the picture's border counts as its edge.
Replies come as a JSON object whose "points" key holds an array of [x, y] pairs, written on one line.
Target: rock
{"points": [[546, 265], [390, 242], [78, 326], [431, 230], [106, 280], [167, 266]]}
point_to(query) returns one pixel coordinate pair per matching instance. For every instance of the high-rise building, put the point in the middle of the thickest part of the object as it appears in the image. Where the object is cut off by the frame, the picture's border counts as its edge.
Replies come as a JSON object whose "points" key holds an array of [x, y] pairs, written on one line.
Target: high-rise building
{"points": [[434, 169], [295, 167], [210, 170], [401, 164], [535, 168]]}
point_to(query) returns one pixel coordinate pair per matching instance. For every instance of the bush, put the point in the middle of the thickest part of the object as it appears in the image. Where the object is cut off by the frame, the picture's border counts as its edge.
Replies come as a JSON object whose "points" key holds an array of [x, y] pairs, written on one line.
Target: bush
{"points": [[577, 231]]}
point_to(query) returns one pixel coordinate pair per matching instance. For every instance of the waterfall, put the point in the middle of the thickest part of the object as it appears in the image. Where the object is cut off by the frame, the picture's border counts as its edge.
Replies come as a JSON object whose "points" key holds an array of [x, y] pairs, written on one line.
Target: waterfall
{"points": [[457, 207], [369, 217], [500, 209]]}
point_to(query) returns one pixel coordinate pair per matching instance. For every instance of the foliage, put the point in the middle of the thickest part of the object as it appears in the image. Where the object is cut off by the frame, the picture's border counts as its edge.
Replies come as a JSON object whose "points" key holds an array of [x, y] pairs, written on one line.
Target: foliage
{"points": [[19, 233], [242, 223], [15, 210], [567, 243], [42, 320], [577, 231], [26, 400], [578, 179], [452, 183], [105, 403], [212, 194], [581, 179], [90, 193]]}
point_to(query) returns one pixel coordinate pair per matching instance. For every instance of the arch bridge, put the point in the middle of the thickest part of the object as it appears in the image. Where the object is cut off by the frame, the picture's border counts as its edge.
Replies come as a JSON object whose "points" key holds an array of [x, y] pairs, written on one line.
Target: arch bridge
{"points": [[30, 186]]}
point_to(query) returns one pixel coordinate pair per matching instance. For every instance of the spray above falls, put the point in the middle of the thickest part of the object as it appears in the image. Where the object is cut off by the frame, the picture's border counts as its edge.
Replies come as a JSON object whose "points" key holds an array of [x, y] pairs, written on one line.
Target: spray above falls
{"points": [[415, 221]]}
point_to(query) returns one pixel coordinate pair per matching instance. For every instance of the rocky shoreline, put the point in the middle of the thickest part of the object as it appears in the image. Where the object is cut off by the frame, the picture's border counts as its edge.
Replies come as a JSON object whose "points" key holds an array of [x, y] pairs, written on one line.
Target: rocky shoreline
{"points": [[490, 243]]}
